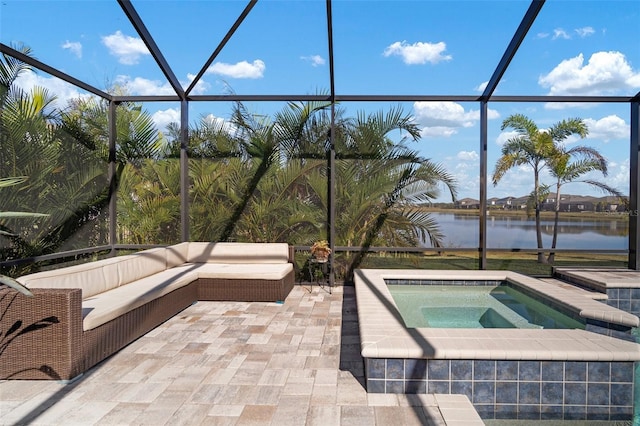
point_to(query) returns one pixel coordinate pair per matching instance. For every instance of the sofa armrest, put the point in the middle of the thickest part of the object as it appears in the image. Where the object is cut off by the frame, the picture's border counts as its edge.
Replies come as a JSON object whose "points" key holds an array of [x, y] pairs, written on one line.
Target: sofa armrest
{"points": [[41, 336]]}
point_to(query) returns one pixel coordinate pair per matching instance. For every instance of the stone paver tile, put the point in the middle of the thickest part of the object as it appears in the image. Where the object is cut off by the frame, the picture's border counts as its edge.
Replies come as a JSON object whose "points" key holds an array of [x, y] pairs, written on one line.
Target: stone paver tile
{"points": [[433, 416], [237, 361], [274, 377], [221, 410], [296, 388], [167, 373], [406, 416], [123, 413], [422, 400], [245, 395], [85, 414], [290, 362], [324, 395], [326, 376], [323, 415], [50, 410], [219, 421], [187, 415], [140, 392], [268, 395], [221, 376], [357, 415], [246, 376], [351, 394], [258, 415], [206, 394], [382, 399]]}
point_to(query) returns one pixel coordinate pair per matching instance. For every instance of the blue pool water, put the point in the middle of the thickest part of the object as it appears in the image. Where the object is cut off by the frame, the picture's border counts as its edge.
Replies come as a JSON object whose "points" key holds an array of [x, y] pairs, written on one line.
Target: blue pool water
{"points": [[454, 306]]}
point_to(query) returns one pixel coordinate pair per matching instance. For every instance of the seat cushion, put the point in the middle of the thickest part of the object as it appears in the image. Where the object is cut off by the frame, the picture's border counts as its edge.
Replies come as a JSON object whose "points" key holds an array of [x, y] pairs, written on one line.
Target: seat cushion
{"points": [[244, 271], [104, 307]]}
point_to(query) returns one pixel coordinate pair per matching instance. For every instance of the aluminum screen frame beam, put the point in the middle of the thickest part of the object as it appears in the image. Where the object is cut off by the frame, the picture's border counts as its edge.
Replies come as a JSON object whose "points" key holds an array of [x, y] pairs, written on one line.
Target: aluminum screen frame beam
{"points": [[633, 260], [145, 35], [53, 71], [222, 44], [331, 160], [518, 37]]}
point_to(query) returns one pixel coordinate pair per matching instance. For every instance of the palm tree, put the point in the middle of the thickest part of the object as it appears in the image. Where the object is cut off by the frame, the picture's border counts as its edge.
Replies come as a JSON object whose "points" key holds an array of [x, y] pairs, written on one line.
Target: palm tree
{"points": [[534, 147], [565, 171]]}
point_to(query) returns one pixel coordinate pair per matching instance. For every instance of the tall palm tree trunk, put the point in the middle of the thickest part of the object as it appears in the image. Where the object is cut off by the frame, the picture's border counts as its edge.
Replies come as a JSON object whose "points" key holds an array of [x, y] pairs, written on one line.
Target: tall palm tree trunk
{"points": [[536, 190], [556, 218]]}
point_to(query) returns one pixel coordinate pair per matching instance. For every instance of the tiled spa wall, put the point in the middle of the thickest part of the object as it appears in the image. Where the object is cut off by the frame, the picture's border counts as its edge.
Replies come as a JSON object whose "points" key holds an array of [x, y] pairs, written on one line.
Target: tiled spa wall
{"points": [[506, 389], [626, 299]]}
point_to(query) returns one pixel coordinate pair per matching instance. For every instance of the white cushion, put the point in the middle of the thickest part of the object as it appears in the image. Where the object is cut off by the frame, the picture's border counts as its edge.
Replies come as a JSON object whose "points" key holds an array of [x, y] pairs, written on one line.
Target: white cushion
{"points": [[104, 307], [142, 264], [266, 271], [92, 277], [177, 254], [245, 253]]}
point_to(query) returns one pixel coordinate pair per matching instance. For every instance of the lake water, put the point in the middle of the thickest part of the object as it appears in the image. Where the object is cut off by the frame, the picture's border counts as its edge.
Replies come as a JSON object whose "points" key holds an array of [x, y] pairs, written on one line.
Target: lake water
{"points": [[461, 230]]}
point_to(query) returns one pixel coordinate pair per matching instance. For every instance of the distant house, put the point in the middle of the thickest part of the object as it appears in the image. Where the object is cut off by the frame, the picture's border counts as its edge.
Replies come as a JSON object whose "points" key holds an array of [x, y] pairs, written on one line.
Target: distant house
{"points": [[574, 203], [505, 203], [467, 203]]}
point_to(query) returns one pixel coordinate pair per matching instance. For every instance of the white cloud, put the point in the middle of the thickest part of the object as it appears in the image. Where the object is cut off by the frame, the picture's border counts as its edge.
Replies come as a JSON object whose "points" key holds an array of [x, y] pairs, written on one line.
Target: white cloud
{"points": [[618, 176], [200, 87], [163, 118], [217, 122], [143, 86], [605, 73], [418, 53], [567, 105], [63, 91], [315, 60], [585, 31], [127, 49], [241, 69], [608, 128], [444, 118], [482, 86], [503, 137], [74, 47], [467, 156], [560, 33], [543, 35]]}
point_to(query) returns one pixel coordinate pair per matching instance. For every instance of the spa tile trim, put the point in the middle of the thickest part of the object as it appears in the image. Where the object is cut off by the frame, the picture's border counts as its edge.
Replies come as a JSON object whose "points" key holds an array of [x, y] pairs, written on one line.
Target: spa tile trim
{"points": [[529, 389]]}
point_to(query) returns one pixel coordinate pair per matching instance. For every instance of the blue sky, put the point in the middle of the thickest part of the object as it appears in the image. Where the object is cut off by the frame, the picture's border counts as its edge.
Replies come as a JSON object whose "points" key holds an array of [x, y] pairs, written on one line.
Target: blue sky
{"points": [[381, 47]]}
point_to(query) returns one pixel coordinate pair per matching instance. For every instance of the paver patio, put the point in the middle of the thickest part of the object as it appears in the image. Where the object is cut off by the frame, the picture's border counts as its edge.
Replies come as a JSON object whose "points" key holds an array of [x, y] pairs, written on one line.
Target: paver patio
{"points": [[229, 363]]}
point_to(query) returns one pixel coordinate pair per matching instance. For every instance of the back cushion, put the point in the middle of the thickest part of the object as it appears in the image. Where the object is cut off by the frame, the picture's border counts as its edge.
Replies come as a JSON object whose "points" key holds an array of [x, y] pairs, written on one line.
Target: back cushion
{"points": [[91, 277], [177, 254], [238, 252], [132, 267]]}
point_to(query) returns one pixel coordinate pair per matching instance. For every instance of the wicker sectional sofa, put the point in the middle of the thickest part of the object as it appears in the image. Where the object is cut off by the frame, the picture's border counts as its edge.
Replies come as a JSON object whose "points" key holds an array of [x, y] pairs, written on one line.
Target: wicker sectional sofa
{"points": [[82, 314]]}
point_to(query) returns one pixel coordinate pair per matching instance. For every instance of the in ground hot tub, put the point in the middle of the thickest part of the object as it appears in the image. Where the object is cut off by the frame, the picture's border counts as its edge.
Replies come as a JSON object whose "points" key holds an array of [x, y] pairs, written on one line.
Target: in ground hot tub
{"points": [[529, 372]]}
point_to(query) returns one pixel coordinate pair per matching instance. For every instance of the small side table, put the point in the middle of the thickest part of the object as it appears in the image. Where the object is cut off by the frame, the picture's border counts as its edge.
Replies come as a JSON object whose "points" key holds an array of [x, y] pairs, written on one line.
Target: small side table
{"points": [[319, 270]]}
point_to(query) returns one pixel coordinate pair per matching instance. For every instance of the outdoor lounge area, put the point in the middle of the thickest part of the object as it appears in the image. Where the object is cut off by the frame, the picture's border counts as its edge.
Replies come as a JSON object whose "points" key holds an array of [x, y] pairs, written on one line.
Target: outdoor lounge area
{"points": [[217, 212]]}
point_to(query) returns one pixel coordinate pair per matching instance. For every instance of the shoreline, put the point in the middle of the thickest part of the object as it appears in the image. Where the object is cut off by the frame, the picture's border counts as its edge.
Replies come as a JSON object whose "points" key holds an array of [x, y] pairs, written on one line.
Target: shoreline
{"points": [[523, 213]]}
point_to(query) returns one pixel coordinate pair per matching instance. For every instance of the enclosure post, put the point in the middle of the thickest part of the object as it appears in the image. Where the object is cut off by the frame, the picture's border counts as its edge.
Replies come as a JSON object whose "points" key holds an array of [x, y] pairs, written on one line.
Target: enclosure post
{"points": [[482, 238], [184, 170], [634, 187], [331, 160], [113, 185]]}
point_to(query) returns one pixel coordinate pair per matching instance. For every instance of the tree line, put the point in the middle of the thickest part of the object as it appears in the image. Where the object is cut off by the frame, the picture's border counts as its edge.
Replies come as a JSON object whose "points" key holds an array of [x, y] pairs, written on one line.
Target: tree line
{"points": [[251, 177]]}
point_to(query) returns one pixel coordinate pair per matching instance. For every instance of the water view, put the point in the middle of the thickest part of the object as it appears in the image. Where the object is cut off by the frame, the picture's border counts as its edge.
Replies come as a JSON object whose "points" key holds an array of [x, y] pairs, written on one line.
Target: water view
{"points": [[461, 230]]}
